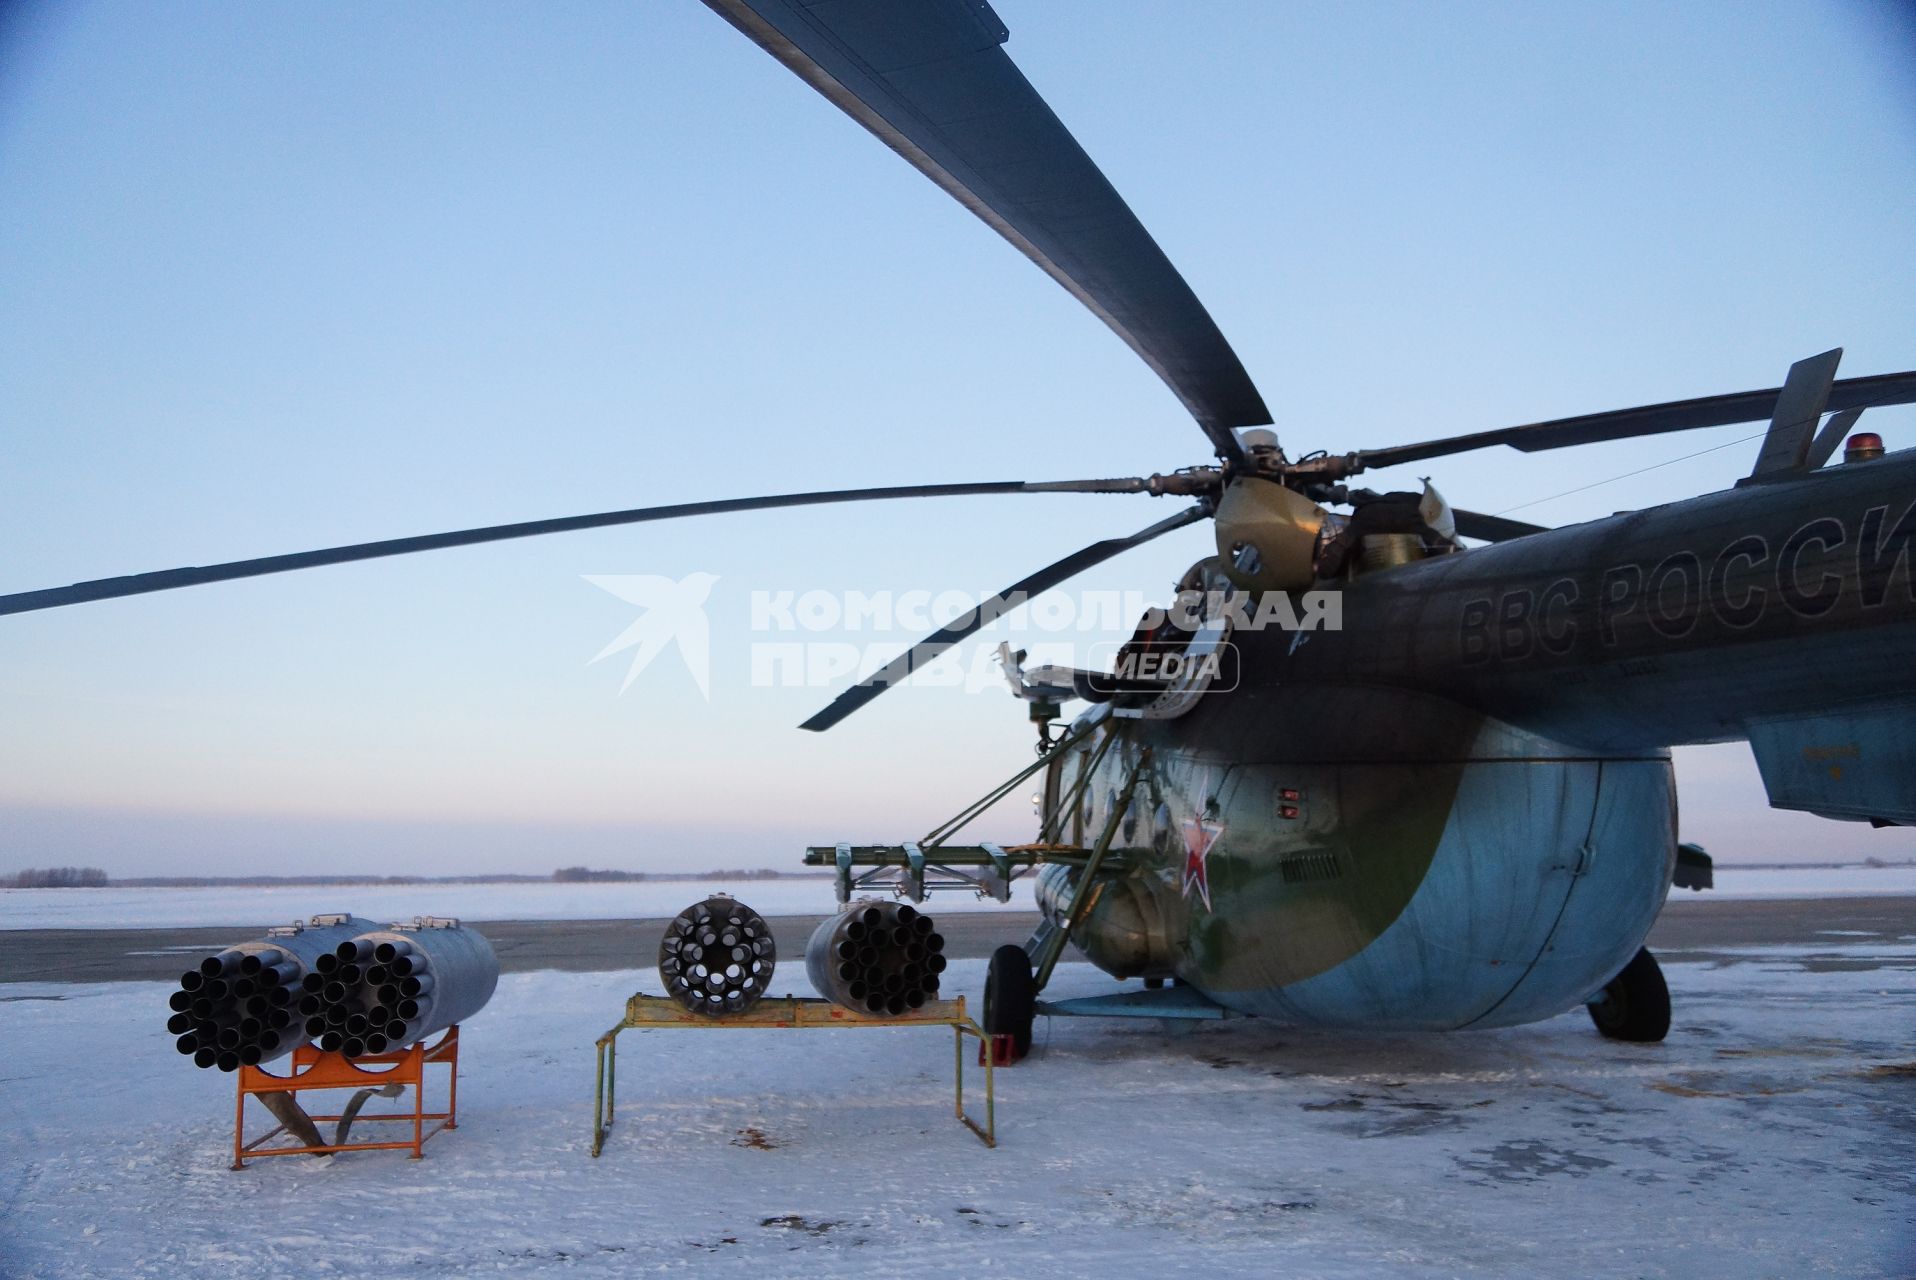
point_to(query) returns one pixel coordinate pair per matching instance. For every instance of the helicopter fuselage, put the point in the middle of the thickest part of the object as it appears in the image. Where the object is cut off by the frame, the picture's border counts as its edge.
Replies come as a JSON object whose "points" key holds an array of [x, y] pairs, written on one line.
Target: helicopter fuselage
{"points": [[1458, 809]]}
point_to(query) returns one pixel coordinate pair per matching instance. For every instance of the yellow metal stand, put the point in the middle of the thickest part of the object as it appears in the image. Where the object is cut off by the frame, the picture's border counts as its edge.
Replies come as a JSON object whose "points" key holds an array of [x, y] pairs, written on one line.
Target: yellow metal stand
{"points": [[659, 1012]]}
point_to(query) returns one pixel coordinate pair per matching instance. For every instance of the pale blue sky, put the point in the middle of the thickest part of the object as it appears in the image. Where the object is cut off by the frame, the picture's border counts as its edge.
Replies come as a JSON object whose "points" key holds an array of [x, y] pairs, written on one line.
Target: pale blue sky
{"points": [[275, 276]]}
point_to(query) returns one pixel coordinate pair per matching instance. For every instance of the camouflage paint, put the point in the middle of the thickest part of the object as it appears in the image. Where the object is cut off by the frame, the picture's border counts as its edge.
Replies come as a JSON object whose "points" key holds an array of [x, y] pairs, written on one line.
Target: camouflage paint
{"points": [[1485, 817], [1430, 890]]}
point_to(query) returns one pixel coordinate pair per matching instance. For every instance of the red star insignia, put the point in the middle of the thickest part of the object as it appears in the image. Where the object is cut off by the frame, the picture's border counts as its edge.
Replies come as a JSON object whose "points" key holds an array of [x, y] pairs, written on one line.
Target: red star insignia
{"points": [[1199, 835]]}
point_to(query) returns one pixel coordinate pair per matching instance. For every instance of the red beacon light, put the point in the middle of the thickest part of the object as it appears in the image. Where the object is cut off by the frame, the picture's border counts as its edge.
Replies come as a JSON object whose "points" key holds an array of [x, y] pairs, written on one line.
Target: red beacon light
{"points": [[1862, 447]]}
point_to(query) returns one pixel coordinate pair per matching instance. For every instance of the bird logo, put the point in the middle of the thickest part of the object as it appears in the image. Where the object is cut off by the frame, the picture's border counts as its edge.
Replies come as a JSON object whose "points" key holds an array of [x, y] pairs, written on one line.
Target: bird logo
{"points": [[674, 614]]}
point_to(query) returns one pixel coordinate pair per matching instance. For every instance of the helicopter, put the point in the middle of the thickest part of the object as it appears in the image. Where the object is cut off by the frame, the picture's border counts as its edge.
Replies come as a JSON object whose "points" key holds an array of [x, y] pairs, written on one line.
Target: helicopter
{"points": [[1456, 809]]}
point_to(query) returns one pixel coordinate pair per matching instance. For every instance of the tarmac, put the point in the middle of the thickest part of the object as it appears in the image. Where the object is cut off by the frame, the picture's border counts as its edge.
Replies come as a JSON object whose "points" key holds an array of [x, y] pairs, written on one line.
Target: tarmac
{"points": [[1694, 928]]}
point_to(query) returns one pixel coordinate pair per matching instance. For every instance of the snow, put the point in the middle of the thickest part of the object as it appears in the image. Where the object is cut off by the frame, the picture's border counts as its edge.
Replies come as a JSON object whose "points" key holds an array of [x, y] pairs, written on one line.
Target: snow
{"points": [[1771, 1135], [242, 905], [138, 908], [1808, 882]]}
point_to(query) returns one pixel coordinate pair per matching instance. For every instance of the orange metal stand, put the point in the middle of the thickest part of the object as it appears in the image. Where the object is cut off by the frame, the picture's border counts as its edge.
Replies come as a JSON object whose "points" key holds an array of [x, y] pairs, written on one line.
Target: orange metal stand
{"points": [[316, 1069]]}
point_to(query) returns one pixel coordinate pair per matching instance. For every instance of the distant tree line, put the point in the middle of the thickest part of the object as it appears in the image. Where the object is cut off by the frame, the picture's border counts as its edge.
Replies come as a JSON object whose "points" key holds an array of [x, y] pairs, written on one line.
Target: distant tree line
{"points": [[205, 882], [589, 875], [56, 878]]}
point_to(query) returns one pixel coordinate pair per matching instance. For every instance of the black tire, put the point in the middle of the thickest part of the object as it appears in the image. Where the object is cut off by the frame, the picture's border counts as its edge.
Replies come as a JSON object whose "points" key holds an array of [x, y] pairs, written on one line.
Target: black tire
{"points": [[1011, 998], [1635, 1005]]}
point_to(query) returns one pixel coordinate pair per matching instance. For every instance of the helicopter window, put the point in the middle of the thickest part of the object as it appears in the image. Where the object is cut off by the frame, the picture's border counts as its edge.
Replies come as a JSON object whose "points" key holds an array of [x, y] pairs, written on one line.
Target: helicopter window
{"points": [[1161, 828]]}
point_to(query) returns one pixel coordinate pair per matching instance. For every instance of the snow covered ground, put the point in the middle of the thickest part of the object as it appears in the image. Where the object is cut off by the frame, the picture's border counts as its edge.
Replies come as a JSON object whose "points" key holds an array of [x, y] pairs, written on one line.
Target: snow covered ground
{"points": [[1807, 882], [119, 908], [1774, 1134], [116, 908]]}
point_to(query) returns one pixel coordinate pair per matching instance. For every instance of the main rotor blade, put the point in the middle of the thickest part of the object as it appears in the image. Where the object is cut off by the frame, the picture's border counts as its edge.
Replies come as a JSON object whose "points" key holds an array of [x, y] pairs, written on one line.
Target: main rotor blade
{"points": [[168, 579], [929, 78], [1004, 602], [1649, 420]]}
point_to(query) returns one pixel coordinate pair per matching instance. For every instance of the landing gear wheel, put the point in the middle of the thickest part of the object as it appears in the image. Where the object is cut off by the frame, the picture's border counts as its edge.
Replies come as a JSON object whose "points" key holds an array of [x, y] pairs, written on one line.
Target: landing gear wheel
{"points": [[1636, 1004], [1011, 998]]}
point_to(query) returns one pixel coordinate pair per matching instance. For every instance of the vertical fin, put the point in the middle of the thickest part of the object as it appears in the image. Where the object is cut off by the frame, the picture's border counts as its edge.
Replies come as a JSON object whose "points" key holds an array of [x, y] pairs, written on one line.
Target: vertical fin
{"points": [[1798, 408]]}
